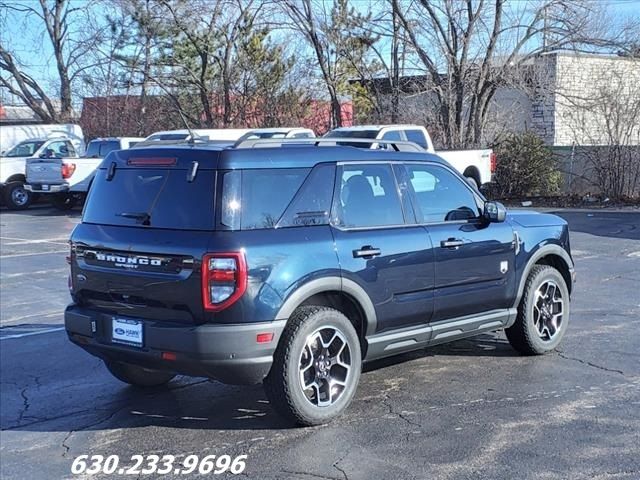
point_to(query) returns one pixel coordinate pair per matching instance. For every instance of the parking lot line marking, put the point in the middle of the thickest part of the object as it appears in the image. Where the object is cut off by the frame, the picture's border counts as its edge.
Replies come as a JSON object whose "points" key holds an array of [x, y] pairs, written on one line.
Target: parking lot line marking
{"points": [[29, 254], [21, 241], [29, 334], [53, 313], [6, 276]]}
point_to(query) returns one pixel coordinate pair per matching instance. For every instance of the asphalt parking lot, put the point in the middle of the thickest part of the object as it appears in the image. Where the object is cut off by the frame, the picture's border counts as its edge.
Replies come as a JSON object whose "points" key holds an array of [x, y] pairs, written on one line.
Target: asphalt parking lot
{"points": [[471, 409]]}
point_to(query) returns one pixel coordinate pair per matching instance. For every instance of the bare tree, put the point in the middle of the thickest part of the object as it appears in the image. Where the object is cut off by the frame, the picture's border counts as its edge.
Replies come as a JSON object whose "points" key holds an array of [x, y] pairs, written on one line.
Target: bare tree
{"points": [[71, 44], [468, 49], [337, 39]]}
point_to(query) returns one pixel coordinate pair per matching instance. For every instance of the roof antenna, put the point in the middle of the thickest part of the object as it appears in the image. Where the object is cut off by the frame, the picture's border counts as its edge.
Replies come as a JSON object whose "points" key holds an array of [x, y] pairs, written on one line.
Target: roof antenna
{"points": [[193, 136]]}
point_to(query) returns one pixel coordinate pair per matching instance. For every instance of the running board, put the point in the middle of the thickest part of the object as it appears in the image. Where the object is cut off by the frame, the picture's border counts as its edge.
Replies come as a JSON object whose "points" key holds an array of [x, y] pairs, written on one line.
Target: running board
{"points": [[392, 343]]}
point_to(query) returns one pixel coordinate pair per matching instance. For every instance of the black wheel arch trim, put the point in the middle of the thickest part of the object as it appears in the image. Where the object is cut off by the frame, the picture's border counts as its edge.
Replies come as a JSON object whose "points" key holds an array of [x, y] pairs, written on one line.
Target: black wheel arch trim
{"points": [[543, 251], [328, 284], [16, 177]]}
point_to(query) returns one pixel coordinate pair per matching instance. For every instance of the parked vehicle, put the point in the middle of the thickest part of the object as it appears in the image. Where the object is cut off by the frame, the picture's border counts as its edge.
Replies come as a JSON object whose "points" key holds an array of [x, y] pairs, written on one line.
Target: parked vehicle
{"points": [[66, 181], [279, 132], [11, 135], [477, 166], [13, 167], [208, 261], [225, 135]]}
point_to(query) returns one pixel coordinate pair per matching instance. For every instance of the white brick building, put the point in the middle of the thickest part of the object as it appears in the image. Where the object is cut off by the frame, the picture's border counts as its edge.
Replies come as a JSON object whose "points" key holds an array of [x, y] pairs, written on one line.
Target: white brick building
{"points": [[586, 100]]}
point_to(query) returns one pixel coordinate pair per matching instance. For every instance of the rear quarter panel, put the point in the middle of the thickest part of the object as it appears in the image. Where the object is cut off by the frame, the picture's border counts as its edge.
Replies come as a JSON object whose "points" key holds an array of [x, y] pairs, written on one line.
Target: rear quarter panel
{"points": [[279, 262]]}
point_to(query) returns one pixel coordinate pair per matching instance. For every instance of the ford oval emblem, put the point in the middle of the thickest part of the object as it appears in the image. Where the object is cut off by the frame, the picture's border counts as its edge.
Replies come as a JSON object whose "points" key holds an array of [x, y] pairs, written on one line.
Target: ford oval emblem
{"points": [[119, 331]]}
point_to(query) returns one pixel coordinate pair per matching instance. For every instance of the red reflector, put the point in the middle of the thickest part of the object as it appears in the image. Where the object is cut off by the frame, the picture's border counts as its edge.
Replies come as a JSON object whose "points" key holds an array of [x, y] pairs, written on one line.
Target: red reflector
{"points": [[222, 275], [493, 162], [168, 356], [264, 337], [160, 161]]}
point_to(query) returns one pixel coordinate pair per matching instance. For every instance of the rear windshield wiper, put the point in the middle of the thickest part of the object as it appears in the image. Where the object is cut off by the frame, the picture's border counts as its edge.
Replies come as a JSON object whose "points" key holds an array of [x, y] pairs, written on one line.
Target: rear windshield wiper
{"points": [[142, 217]]}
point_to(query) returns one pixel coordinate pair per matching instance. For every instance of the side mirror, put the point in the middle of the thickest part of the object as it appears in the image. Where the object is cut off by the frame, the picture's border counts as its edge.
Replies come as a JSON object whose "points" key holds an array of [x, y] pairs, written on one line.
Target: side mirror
{"points": [[494, 212]]}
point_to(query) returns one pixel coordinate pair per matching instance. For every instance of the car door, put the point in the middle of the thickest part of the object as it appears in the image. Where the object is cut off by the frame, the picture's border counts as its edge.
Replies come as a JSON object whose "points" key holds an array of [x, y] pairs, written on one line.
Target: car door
{"points": [[474, 259], [380, 247]]}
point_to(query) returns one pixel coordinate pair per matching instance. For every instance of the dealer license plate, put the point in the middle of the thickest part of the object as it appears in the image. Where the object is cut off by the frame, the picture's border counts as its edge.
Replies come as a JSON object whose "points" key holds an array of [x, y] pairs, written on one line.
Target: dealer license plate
{"points": [[128, 332]]}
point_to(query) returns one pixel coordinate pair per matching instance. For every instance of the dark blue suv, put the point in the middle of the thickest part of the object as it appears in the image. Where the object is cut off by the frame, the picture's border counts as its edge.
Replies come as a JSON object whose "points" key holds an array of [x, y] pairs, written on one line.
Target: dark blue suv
{"points": [[293, 264]]}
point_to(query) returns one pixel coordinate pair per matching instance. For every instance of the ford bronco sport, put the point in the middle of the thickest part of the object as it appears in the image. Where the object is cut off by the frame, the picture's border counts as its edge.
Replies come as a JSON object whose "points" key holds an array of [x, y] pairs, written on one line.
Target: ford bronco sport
{"points": [[293, 264]]}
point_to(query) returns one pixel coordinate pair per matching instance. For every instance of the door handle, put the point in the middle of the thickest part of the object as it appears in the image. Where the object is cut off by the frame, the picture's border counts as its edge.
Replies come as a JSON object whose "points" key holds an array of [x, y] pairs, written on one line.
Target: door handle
{"points": [[366, 251], [451, 243]]}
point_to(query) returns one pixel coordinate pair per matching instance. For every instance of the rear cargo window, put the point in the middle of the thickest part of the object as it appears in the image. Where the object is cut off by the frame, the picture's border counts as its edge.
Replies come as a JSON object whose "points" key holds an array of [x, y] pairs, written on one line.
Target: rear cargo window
{"points": [[152, 198], [100, 148], [253, 199]]}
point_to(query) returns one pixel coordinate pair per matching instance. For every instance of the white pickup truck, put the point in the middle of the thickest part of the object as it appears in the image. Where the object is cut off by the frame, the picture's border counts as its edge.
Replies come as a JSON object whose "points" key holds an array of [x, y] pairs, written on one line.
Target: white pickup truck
{"points": [[13, 167], [66, 181], [477, 166]]}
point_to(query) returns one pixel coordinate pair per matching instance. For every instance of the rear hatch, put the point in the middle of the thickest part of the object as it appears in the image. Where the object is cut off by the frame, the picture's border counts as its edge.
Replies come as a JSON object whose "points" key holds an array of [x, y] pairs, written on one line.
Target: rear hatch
{"points": [[44, 171], [146, 225]]}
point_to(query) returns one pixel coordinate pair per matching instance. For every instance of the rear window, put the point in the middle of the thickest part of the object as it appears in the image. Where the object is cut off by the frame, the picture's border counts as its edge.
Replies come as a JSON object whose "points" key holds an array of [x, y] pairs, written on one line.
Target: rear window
{"points": [[359, 134], [417, 136], [100, 148], [152, 198]]}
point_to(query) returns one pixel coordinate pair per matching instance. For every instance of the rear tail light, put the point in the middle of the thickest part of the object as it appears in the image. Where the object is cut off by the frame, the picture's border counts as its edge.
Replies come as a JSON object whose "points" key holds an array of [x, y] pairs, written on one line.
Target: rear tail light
{"points": [[68, 169], [493, 162], [224, 280]]}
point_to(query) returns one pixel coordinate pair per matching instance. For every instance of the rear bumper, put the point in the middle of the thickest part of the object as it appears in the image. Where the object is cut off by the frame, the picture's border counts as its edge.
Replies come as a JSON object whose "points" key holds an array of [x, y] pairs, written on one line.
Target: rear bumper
{"points": [[37, 188], [228, 353]]}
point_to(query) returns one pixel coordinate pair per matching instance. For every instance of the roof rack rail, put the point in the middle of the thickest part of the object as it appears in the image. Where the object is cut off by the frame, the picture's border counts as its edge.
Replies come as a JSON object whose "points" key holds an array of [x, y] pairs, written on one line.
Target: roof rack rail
{"points": [[398, 146]]}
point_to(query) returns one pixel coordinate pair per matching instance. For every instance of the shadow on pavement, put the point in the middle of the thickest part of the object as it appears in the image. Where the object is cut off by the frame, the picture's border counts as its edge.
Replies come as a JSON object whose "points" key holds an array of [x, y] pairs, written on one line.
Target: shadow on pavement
{"points": [[185, 403], [604, 224]]}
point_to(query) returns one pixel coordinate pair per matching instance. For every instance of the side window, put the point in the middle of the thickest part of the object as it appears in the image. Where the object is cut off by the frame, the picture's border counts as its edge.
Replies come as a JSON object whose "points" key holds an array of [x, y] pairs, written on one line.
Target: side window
{"points": [[368, 197], [255, 199], [417, 136], [301, 135], [56, 150], [71, 152], [392, 135], [440, 195], [312, 203]]}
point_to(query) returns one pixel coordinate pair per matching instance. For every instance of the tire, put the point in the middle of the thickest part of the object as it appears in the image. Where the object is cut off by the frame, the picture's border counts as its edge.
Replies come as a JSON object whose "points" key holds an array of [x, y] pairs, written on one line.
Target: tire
{"points": [[538, 329], [138, 376], [16, 197], [64, 201], [311, 333]]}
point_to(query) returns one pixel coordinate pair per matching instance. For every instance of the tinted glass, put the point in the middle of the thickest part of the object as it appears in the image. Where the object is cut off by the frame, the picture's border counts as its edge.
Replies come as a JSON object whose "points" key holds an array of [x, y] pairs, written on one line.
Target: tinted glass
{"points": [[312, 203], [24, 149], [440, 195], [100, 148], [253, 199], [392, 135], [165, 195], [416, 136], [368, 197], [353, 134]]}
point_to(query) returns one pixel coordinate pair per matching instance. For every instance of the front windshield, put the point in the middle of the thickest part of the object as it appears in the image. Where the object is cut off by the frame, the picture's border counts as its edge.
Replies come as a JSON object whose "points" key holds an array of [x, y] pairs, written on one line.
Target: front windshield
{"points": [[24, 149]]}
